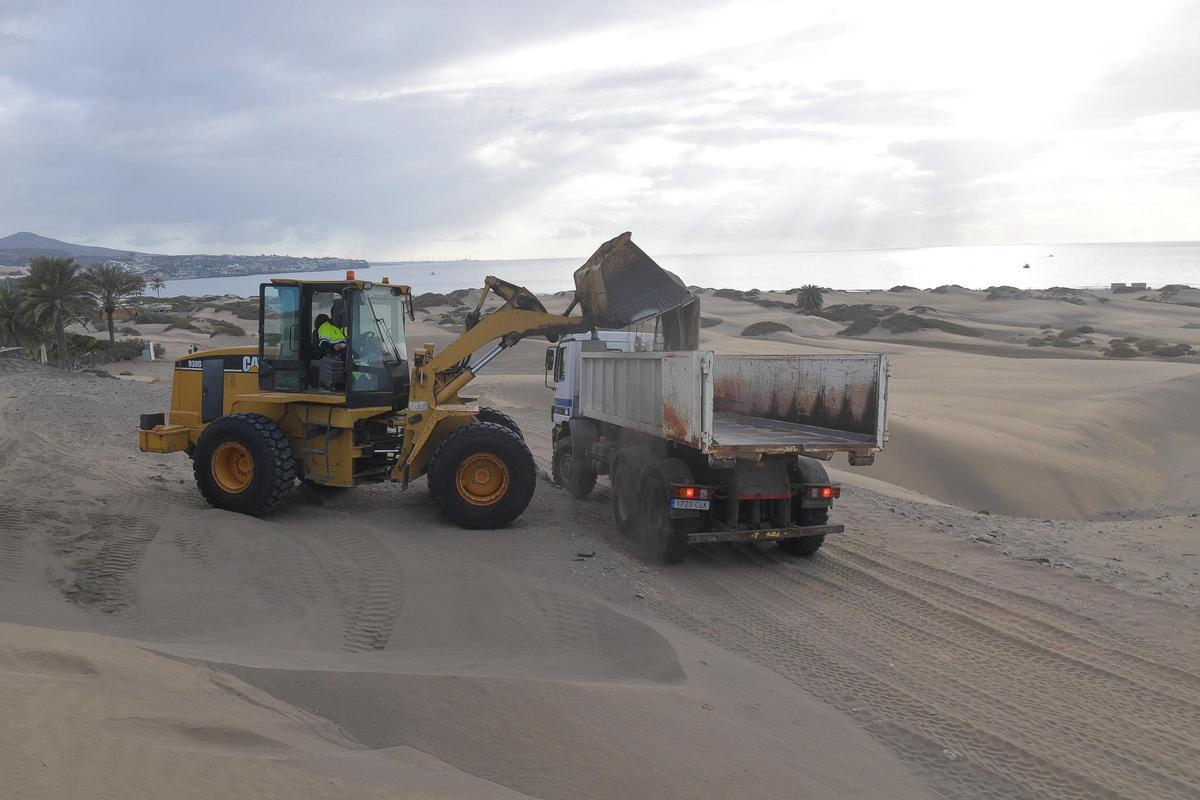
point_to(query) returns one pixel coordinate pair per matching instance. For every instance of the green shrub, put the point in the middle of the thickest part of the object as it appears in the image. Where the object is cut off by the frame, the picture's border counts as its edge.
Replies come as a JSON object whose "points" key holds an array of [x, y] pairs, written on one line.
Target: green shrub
{"points": [[1122, 350], [1146, 345], [153, 318], [902, 323], [182, 323], [423, 302], [220, 326], [908, 323], [100, 373], [860, 326], [710, 322], [1005, 293], [242, 309], [1172, 351], [904, 288], [847, 313], [129, 331], [1036, 342], [765, 328], [922, 309]]}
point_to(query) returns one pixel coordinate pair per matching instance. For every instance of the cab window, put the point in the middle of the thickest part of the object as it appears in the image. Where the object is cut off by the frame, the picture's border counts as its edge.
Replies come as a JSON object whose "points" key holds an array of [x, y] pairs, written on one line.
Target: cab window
{"points": [[279, 338]]}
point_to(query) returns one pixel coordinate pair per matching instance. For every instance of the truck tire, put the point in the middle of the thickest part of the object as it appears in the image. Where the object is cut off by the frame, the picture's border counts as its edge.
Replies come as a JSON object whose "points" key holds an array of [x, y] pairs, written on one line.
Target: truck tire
{"points": [[482, 476], [806, 546], [487, 414], [661, 537], [624, 475], [244, 463], [568, 473]]}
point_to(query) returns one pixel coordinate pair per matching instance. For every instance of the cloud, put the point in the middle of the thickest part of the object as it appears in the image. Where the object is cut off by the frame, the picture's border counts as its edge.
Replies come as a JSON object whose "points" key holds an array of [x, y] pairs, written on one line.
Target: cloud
{"points": [[536, 129]]}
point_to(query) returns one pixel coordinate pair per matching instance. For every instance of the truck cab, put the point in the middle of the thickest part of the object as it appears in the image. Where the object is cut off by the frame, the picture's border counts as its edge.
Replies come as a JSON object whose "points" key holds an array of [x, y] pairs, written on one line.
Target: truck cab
{"points": [[563, 359]]}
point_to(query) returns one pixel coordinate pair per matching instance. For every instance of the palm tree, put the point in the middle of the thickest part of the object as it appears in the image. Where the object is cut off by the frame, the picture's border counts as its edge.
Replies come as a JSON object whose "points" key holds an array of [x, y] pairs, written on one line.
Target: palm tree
{"points": [[157, 283], [57, 291], [13, 327], [115, 287], [810, 298]]}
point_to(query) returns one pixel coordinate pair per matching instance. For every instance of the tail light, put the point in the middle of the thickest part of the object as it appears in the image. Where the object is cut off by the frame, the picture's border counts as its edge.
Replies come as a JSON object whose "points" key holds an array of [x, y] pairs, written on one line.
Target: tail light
{"points": [[691, 492], [824, 492]]}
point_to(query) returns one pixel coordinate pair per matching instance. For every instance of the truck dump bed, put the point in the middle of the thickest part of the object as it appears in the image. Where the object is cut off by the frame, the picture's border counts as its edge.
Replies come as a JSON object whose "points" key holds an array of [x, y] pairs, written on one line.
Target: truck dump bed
{"points": [[741, 405]]}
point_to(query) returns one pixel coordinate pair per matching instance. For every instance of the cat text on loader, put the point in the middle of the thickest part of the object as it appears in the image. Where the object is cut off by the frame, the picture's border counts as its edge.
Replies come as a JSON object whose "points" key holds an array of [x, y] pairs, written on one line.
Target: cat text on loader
{"points": [[338, 410]]}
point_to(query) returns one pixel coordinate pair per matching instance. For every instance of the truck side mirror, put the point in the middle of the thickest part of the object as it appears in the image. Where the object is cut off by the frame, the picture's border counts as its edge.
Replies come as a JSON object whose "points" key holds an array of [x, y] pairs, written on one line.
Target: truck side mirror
{"points": [[550, 358]]}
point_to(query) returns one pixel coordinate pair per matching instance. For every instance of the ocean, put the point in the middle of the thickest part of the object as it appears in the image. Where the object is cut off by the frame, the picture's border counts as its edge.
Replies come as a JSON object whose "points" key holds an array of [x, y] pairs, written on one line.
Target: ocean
{"points": [[976, 267]]}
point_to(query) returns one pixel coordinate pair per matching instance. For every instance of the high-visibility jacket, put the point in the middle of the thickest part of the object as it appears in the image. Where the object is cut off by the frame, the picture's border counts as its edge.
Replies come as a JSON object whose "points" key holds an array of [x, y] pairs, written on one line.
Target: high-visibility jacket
{"points": [[330, 334]]}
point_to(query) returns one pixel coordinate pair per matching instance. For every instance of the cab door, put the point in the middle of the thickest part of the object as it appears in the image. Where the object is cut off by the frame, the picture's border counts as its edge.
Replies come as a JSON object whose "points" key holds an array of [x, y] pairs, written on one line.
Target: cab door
{"points": [[280, 338]]}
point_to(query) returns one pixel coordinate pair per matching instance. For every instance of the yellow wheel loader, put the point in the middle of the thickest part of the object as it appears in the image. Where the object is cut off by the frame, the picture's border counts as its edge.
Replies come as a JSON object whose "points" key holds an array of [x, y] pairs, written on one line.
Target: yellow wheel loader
{"points": [[367, 409]]}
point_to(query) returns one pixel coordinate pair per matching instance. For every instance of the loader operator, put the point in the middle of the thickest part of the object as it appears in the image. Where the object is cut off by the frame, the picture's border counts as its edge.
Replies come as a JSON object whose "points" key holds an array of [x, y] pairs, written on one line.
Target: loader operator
{"points": [[331, 333]]}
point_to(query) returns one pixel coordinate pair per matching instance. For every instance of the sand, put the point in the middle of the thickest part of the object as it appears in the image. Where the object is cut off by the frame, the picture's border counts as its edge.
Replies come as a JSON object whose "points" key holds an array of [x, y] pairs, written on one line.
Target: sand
{"points": [[356, 645]]}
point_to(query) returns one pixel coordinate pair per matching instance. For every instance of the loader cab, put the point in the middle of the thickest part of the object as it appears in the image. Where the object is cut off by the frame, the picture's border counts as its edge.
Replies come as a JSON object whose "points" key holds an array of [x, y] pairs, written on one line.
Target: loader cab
{"points": [[372, 369]]}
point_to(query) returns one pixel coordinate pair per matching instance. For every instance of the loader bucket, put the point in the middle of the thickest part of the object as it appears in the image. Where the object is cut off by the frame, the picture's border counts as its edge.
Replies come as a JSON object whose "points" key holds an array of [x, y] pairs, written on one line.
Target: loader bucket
{"points": [[620, 285]]}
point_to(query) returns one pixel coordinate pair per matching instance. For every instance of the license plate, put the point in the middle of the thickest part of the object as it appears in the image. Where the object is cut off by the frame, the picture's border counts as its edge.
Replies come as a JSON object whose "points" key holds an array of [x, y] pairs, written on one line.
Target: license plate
{"points": [[690, 505]]}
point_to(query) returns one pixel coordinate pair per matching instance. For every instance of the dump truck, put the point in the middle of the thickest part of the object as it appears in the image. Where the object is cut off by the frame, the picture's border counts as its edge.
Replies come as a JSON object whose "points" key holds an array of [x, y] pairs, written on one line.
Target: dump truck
{"points": [[700, 447], [367, 410]]}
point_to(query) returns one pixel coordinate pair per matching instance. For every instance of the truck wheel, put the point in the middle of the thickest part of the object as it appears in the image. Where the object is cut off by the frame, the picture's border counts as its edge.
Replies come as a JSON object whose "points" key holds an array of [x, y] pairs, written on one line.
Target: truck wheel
{"points": [[244, 463], [624, 475], [567, 473], [806, 546], [482, 476], [662, 538], [500, 418]]}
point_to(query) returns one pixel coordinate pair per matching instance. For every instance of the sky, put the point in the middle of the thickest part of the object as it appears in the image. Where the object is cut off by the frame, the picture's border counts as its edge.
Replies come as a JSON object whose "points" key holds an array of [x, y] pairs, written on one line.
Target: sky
{"points": [[399, 130]]}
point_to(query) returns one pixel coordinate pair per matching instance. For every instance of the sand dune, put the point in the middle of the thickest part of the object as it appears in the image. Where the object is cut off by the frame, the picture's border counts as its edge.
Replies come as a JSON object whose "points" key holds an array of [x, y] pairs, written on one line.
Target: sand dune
{"points": [[356, 645]]}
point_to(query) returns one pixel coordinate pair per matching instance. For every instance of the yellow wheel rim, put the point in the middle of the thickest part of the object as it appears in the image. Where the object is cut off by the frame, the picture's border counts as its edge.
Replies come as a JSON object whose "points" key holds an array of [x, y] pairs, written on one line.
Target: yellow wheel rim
{"points": [[233, 467], [482, 479]]}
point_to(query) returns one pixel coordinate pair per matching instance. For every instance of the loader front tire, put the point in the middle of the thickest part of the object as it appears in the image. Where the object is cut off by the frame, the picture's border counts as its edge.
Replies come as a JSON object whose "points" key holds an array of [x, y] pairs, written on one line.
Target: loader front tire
{"points": [[244, 463], [482, 476]]}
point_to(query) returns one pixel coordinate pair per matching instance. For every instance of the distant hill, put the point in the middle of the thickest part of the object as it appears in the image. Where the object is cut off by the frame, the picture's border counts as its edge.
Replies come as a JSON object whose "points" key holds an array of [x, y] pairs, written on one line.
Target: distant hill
{"points": [[35, 245], [17, 249]]}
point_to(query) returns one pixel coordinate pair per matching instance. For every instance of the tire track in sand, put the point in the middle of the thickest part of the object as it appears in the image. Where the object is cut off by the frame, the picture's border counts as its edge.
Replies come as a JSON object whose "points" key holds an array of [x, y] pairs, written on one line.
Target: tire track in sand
{"points": [[365, 579], [984, 695], [102, 559]]}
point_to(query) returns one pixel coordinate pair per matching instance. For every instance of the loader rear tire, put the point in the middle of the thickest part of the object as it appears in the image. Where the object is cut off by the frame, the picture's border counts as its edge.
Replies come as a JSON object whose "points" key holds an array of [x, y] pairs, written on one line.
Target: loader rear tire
{"points": [[569, 473], [807, 546], [244, 463], [487, 414], [482, 476]]}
